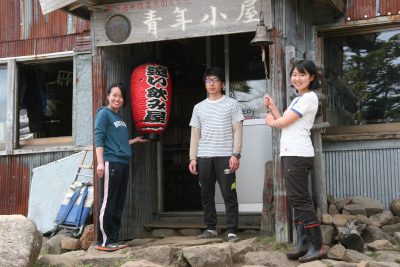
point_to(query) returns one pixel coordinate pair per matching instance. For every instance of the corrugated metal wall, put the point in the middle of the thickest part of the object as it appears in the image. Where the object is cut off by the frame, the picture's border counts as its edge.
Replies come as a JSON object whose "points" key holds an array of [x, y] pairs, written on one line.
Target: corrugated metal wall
{"points": [[368, 172], [15, 176], [367, 9], [120, 61], [25, 31]]}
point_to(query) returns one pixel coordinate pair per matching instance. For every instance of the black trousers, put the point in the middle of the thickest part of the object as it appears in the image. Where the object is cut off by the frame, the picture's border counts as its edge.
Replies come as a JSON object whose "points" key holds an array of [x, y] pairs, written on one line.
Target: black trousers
{"points": [[113, 192], [295, 173], [217, 169]]}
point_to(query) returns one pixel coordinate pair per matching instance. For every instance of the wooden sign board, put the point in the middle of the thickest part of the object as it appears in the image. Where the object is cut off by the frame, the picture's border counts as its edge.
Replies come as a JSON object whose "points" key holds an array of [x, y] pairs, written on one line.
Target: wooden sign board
{"points": [[175, 19]]}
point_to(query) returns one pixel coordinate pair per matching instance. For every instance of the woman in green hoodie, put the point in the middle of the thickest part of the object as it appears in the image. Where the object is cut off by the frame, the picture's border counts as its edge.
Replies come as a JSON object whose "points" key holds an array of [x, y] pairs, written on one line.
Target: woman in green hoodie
{"points": [[113, 153]]}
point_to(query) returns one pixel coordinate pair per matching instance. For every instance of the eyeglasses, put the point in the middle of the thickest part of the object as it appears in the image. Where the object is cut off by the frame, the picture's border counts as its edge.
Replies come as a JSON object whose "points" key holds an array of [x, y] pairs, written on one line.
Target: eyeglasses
{"points": [[215, 80]]}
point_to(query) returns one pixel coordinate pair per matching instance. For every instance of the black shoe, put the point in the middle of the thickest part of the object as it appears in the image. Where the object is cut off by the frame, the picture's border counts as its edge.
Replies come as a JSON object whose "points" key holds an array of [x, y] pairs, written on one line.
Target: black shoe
{"points": [[301, 248], [233, 239], [315, 241], [207, 235]]}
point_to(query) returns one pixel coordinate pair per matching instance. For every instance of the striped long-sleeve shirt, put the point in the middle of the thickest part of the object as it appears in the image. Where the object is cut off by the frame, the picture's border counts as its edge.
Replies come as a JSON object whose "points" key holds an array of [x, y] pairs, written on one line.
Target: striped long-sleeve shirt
{"points": [[215, 119]]}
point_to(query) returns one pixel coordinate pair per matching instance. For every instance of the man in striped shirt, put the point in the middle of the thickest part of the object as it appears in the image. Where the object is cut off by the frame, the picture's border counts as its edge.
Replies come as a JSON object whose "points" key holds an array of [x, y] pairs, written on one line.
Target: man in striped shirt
{"points": [[215, 146]]}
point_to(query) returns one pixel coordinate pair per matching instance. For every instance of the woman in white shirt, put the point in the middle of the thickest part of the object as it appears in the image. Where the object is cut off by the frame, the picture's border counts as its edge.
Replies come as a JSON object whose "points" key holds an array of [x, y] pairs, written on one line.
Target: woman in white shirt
{"points": [[297, 156]]}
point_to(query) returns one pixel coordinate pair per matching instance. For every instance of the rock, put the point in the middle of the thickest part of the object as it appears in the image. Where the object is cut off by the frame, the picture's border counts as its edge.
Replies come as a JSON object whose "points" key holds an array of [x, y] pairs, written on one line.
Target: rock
{"points": [[310, 264], [382, 219], [388, 256], [363, 219], [353, 241], [87, 237], [190, 232], [395, 206], [333, 210], [140, 263], [239, 250], [268, 258], [331, 199], [162, 255], [396, 219], [371, 206], [165, 232], [354, 209], [355, 256], [139, 242], [380, 245], [20, 241], [53, 245], [391, 229], [397, 237], [338, 252], [363, 264], [327, 219], [343, 202], [209, 255], [334, 263], [327, 233], [339, 220], [145, 234], [373, 233], [104, 259], [69, 243]]}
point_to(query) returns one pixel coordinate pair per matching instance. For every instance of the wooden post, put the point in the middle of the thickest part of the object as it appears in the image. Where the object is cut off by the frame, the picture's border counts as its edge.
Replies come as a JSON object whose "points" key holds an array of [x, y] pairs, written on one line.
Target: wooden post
{"points": [[281, 204], [268, 212], [319, 164]]}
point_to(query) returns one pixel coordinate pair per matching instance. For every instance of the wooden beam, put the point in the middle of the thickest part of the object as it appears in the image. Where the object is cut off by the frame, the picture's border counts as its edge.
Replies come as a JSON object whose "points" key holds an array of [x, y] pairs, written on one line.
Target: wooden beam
{"points": [[338, 5], [53, 5], [74, 6], [11, 101]]}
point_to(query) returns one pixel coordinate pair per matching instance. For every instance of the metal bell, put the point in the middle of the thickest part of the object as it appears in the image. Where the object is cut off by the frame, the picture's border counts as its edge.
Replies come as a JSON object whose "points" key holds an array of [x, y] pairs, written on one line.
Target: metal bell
{"points": [[261, 37]]}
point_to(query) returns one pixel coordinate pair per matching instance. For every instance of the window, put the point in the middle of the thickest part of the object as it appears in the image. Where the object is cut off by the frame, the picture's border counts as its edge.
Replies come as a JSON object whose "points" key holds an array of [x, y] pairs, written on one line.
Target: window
{"points": [[362, 78], [3, 105], [45, 100], [247, 75]]}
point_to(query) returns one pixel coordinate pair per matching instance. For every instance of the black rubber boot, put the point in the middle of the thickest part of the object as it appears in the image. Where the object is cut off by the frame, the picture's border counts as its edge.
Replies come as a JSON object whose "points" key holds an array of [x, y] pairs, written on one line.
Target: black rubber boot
{"points": [[315, 241], [301, 248]]}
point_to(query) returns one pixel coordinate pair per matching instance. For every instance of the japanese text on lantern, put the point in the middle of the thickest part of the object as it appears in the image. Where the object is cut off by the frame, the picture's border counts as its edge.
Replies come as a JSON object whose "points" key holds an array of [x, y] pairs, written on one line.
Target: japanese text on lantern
{"points": [[157, 80]]}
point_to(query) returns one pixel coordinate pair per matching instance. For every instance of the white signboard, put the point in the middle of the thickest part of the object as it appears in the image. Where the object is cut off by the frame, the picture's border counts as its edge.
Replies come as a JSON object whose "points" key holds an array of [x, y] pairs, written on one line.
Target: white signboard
{"points": [[175, 19]]}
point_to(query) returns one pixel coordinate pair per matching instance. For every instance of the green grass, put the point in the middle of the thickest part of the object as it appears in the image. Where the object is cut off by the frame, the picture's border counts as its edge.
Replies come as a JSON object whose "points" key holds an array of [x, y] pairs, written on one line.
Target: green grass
{"points": [[374, 255], [397, 261], [270, 243]]}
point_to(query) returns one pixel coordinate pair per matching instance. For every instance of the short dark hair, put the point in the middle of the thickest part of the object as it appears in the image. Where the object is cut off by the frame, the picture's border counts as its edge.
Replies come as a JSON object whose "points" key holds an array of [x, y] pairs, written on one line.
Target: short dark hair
{"points": [[123, 91], [304, 66], [216, 71]]}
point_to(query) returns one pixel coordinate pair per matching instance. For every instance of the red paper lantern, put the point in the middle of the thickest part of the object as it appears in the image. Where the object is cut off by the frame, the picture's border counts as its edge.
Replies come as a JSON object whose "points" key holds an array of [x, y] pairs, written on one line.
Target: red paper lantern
{"points": [[151, 99]]}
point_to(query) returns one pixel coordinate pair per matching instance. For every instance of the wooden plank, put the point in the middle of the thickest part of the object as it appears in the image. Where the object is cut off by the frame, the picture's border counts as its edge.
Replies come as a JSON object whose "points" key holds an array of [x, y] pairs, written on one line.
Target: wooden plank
{"points": [[46, 141], [52, 5], [194, 226], [346, 137], [364, 129], [268, 213], [290, 90], [166, 20], [11, 101]]}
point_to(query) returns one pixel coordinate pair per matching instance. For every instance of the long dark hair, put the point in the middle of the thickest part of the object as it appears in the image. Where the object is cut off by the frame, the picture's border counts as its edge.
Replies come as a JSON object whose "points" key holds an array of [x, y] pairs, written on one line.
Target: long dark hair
{"points": [[123, 91], [304, 66]]}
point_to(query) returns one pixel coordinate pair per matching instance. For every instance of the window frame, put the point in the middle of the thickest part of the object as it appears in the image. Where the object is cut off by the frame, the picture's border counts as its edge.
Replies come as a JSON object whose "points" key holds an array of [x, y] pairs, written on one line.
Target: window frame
{"points": [[15, 146], [356, 132]]}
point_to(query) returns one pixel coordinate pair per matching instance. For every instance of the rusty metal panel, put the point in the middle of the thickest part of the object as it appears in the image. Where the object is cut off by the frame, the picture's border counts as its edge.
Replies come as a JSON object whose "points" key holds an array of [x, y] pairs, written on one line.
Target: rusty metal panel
{"points": [[22, 20], [15, 177], [40, 46], [367, 9]]}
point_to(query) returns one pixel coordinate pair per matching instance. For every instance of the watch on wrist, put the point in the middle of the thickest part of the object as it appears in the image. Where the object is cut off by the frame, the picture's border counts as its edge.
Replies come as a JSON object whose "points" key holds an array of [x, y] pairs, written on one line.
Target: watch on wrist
{"points": [[236, 155]]}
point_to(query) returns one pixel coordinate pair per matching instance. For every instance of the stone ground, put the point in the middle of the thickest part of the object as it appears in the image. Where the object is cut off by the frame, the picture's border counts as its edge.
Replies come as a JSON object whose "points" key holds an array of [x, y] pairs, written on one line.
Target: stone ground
{"points": [[180, 251]]}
